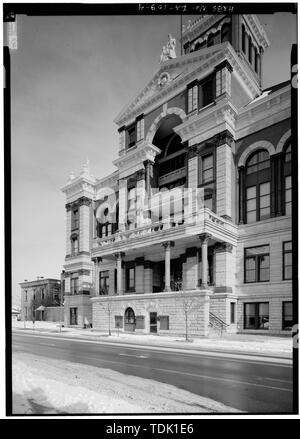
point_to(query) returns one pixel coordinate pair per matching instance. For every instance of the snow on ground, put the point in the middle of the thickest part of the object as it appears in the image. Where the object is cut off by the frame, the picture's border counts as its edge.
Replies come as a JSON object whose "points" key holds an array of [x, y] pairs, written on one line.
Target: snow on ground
{"points": [[43, 386], [255, 343]]}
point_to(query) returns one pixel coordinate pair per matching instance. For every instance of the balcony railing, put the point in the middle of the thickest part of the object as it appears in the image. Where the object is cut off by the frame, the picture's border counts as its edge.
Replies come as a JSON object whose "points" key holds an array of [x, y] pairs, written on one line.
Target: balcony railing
{"points": [[203, 221]]}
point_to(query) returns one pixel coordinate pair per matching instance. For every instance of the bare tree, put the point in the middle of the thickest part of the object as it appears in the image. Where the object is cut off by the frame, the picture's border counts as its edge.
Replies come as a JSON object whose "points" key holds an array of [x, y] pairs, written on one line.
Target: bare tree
{"points": [[188, 305], [108, 308]]}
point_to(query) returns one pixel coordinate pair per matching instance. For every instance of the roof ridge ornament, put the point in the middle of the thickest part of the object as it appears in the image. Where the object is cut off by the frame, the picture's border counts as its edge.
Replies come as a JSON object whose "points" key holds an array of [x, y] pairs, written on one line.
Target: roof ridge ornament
{"points": [[168, 51]]}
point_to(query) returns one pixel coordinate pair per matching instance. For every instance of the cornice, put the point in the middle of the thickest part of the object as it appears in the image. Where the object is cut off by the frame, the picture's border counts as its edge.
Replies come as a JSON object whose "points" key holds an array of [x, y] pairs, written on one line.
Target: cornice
{"points": [[138, 155], [258, 29], [192, 31]]}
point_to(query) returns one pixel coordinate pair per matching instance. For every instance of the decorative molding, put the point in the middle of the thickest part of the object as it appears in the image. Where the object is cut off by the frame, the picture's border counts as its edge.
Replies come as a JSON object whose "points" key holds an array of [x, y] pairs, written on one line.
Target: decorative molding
{"points": [[155, 124], [204, 238], [282, 141], [261, 144], [168, 244], [223, 247], [84, 272]]}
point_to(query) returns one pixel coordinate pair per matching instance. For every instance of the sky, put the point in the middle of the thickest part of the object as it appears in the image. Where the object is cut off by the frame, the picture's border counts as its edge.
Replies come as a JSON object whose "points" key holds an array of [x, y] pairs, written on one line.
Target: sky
{"points": [[70, 77]]}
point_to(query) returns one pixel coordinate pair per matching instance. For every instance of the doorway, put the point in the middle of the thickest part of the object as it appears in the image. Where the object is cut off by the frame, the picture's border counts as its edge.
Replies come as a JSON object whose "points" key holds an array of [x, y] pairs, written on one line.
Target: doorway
{"points": [[153, 322], [73, 316]]}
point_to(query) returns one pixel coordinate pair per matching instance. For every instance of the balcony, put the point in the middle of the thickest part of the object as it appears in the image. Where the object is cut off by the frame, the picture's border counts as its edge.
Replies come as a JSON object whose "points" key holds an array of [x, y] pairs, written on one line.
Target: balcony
{"points": [[204, 221]]}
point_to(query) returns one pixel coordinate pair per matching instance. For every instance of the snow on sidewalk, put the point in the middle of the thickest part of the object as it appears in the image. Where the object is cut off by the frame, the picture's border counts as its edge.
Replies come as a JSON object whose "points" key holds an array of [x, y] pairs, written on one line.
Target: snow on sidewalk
{"points": [[57, 386], [250, 343]]}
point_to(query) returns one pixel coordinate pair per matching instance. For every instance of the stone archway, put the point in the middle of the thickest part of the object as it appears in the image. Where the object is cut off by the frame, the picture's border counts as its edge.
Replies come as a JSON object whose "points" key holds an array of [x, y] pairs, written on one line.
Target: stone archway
{"points": [[156, 123], [262, 144]]}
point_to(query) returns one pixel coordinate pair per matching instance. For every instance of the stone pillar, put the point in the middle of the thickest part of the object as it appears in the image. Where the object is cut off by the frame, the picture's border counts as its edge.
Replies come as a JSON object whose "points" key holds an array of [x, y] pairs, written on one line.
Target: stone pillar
{"points": [[167, 245], [122, 204], [85, 230], [120, 288], [140, 189], [224, 266], [224, 175], [149, 173], [204, 238], [68, 229], [148, 277], [191, 268]]}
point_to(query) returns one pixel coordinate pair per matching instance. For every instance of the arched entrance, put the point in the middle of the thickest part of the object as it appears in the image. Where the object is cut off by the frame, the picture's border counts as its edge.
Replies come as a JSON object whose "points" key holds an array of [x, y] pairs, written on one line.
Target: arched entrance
{"points": [[129, 320], [169, 168]]}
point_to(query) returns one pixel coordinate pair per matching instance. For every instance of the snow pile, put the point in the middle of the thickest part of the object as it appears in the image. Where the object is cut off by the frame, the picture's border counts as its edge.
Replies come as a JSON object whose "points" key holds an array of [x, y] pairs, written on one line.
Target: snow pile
{"points": [[49, 385]]}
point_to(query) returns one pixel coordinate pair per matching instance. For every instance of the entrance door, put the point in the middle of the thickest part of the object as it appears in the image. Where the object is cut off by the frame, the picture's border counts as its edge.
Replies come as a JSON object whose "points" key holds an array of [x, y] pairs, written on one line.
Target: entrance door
{"points": [[73, 316], [153, 322]]}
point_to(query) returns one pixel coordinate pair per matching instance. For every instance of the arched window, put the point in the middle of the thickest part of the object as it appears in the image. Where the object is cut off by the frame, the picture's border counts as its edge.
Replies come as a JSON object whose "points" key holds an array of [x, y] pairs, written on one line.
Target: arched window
{"points": [[287, 180], [210, 40], [129, 316], [258, 187], [226, 33]]}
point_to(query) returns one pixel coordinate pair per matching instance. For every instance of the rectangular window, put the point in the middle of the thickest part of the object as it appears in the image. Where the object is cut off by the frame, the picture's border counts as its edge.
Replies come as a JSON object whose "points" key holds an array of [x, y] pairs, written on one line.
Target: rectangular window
{"points": [[257, 264], [139, 129], [207, 168], [118, 322], [206, 93], [287, 315], [288, 195], [131, 137], [26, 296], [192, 98], [223, 81], [256, 315], [164, 323], [251, 204], [287, 260], [264, 201], [232, 312], [103, 282], [130, 278], [75, 219], [74, 285]]}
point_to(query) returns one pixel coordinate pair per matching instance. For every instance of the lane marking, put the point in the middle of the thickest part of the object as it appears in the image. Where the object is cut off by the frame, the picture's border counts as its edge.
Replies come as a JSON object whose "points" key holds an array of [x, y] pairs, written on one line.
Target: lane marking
{"points": [[278, 362], [135, 356], [196, 375]]}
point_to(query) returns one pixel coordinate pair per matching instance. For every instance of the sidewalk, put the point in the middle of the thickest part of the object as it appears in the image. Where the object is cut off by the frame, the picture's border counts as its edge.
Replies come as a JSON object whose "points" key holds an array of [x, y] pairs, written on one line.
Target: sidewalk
{"points": [[237, 343]]}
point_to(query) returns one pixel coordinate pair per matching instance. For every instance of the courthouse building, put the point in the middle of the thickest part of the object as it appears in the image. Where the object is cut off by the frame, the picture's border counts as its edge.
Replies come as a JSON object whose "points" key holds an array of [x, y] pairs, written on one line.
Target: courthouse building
{"points": [[194, 226]]}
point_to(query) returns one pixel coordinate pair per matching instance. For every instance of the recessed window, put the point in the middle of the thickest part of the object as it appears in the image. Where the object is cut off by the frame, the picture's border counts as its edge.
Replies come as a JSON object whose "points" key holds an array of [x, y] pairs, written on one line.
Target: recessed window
{"points": [[256, 315], [210, 40], [287, 260], [244, 36], [207, 168], [74, 285], [139, 129], [130, 278], [232, 312], [287, 315], [26, 296], [74, 246], [131, 137], [129, 316], [75, 219], [257, 264], [258, 187], [250, 50], [103, 282], [206, 92], [192, 98]]}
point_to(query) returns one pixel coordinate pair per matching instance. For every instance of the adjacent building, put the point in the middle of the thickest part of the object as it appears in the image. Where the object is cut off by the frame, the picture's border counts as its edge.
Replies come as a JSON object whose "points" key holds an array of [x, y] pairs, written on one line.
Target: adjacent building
{"points": [[40, 293], [194, 226]]}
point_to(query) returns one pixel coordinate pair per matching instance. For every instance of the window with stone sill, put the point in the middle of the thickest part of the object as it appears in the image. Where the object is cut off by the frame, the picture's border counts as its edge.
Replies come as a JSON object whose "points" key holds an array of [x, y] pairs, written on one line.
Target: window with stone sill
{"points": [[256, 315], [192, 98], [287, 260], [75, 219], [131, 137], [287, 315], [103, 282], [74, 246], [130, 278], [74, 285], [257, 264]]}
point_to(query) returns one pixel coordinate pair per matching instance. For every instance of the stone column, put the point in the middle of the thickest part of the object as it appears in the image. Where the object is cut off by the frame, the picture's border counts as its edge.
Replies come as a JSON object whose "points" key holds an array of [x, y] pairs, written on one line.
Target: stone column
{"points": [[149, 173], [167, 245], [204, 238], [120, 289], [224, 166], [122, 204]]}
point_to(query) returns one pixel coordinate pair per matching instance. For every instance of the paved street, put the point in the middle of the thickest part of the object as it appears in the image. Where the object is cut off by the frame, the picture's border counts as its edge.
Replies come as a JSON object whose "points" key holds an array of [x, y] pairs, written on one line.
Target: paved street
{"points": [[242, 382]]}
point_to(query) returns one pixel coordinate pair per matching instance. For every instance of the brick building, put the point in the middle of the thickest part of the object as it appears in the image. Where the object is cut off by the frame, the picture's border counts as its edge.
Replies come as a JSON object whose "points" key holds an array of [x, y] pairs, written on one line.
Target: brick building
{"points": [[40, 292], [196, 219]]}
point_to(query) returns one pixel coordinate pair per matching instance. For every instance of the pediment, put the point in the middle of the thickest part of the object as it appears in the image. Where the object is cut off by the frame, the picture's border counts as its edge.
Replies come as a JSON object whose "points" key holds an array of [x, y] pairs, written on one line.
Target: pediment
{"points": [[170, 76]]}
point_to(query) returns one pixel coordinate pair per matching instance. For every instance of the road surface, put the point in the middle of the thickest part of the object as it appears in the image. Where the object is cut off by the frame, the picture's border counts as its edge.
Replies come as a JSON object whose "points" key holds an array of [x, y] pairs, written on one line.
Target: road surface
{"points": [[243, 382]]}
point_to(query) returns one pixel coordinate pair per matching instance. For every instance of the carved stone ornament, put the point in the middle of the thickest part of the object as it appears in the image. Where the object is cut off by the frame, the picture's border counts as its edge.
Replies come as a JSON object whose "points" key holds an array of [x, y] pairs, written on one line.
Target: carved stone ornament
{"points": [[163, 79]]}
